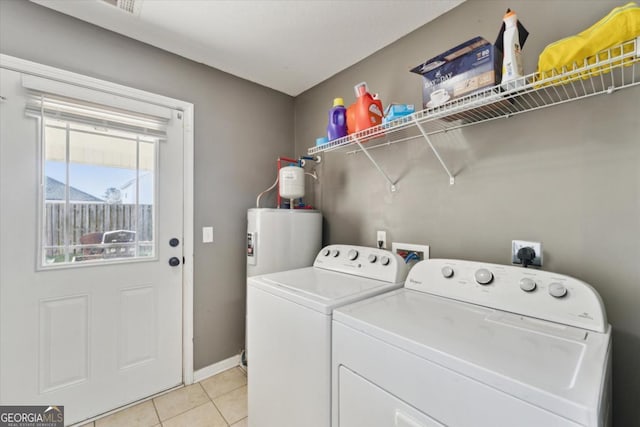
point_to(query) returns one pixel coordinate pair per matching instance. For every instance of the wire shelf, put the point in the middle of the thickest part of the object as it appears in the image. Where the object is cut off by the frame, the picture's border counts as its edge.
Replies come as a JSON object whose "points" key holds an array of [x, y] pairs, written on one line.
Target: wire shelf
{"points": [[607, 71]]}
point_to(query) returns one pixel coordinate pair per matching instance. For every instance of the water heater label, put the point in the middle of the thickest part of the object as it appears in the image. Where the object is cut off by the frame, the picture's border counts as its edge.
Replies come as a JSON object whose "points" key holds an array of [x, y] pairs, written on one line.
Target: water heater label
{"points": [[251, 248]]}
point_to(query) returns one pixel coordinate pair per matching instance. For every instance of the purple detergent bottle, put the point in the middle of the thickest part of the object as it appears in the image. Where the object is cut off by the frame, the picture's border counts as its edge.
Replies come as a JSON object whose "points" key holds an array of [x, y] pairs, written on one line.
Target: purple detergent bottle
{"points": [[337, 127]]}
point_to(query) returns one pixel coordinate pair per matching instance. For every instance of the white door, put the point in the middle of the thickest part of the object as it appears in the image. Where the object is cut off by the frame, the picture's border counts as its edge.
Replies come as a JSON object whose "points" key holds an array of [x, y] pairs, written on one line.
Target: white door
{"points": [[91, 309]]}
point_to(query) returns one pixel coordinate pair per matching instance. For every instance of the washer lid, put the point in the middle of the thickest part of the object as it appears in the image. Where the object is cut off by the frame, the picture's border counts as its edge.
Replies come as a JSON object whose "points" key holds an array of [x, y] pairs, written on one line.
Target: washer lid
{"points": [[319, 289], [532, 359]]}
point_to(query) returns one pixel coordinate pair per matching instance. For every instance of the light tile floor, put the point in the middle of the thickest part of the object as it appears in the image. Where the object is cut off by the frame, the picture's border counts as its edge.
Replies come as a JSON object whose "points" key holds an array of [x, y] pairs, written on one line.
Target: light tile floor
{"points": [[218, 401]]}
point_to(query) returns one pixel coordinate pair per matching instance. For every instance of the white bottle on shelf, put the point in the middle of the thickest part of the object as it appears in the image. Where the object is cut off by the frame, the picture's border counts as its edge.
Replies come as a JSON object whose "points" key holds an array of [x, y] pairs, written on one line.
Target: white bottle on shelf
{"points": [[512, 70]]}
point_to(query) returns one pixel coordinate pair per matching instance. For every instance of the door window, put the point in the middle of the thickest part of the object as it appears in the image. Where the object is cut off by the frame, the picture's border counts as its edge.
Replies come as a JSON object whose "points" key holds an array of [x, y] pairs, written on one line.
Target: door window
{"points": [[98, 194]]}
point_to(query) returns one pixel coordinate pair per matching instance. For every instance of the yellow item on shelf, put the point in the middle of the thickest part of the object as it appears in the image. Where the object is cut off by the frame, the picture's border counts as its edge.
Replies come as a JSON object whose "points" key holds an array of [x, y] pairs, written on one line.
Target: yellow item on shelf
{"points": [[620, 25]]}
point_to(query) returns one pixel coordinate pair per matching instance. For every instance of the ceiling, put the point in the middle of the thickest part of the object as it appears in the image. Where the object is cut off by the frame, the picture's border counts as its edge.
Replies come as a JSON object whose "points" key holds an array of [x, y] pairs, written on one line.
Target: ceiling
{"points": [[287, 45]]}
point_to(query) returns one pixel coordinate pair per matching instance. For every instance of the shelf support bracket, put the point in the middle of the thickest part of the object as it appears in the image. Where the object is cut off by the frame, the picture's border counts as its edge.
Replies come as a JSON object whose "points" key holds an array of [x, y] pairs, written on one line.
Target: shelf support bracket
{"points": [[452, 179], [364, 150]]}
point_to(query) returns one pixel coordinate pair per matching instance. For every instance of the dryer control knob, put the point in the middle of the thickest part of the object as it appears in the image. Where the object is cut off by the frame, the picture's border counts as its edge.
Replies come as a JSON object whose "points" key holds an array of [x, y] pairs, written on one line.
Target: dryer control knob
{"points": [[557, 290], [335, 253], [385, 260], [484, 276], [527, 284], [372, 258], [353, 254], [326, 252], [447, 272]]}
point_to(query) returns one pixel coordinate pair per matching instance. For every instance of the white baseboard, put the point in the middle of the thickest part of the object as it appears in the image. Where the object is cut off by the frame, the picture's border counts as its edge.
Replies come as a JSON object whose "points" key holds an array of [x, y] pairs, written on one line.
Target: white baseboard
{"points": [[216, 368]]}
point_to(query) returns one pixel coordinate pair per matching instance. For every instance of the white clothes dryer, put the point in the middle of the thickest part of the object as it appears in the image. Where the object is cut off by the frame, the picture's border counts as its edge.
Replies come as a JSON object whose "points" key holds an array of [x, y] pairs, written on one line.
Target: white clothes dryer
{"points": [[468, 344], [289, 330]]}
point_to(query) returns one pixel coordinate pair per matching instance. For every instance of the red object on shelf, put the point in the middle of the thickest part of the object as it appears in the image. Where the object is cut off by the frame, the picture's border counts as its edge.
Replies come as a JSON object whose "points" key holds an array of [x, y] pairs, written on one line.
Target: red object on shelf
{"points": [[366, 112]]}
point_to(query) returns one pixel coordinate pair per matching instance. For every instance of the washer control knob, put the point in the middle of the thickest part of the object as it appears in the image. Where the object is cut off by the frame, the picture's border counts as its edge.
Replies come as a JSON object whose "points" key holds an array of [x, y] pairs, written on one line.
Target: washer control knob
{"points": [[372, 258], [527, 284], [484, 276], [557, 290], [447, 272], [385, 260], [326, 252], [335, 253], [353, 254]]}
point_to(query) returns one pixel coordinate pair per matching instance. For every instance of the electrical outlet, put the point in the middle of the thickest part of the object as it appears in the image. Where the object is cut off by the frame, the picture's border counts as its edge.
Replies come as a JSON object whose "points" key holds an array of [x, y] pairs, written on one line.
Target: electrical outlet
{"points": [[381, 236], [405, 249], [516, 245]]}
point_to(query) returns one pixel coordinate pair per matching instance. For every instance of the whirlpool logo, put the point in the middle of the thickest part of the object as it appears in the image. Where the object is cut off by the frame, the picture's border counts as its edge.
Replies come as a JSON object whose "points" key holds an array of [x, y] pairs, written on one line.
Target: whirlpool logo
{"points": [[32, 416]]}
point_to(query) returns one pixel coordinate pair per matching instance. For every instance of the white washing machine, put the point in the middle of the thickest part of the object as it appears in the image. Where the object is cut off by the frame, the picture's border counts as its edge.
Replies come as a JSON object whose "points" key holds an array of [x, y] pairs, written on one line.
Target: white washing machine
{"points": [[467, 344], [289, 330]]}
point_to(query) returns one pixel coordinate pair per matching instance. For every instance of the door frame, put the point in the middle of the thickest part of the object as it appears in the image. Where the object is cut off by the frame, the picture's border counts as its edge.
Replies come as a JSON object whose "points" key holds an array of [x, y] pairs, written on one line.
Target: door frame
{"points": [[60, 75]]}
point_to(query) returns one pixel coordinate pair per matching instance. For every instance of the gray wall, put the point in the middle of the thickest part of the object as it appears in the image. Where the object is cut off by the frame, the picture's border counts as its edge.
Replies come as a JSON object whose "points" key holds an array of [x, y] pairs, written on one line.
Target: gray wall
{"points": [[567, 176], [234, 159]]}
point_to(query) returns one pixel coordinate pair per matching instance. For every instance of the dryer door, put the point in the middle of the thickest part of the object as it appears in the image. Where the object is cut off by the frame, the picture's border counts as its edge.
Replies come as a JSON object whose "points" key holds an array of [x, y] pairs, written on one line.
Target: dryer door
{"points": [[362, 403]]}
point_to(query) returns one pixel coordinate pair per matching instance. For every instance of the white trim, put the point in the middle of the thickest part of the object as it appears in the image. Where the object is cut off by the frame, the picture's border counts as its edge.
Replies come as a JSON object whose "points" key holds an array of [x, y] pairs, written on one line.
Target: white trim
{"points": [[188, 247], [216, 368], [33, 68]]}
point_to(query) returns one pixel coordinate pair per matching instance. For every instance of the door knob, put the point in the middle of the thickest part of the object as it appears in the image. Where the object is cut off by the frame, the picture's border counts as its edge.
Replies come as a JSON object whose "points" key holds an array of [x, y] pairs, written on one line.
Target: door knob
{"points": [[174, 242], [174, 261]]}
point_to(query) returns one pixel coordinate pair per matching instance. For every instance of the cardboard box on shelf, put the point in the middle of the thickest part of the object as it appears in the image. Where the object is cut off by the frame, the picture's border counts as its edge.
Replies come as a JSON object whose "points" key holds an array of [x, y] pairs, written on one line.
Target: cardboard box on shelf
{"points": [[467, 68]]}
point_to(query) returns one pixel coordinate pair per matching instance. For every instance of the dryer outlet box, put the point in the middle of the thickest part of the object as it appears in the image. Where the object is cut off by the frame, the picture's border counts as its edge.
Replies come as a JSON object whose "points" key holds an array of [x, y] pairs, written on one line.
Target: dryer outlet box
{"points": [[516, 245], [405, 249]]}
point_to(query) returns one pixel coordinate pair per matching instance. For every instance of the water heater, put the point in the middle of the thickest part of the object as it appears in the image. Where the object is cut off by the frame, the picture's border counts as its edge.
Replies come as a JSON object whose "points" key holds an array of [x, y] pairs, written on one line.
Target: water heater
{"points": [[282, 239]]}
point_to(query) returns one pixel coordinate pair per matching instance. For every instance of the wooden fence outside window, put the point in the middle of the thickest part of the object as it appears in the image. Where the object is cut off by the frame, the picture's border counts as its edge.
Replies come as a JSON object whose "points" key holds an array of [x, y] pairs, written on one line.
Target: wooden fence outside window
{"points": [[91, 218]]}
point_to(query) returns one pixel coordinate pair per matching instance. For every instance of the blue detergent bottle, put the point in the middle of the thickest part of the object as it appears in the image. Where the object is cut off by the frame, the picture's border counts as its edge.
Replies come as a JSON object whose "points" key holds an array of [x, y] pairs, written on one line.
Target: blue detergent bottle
{"points": [[337, 127]]}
